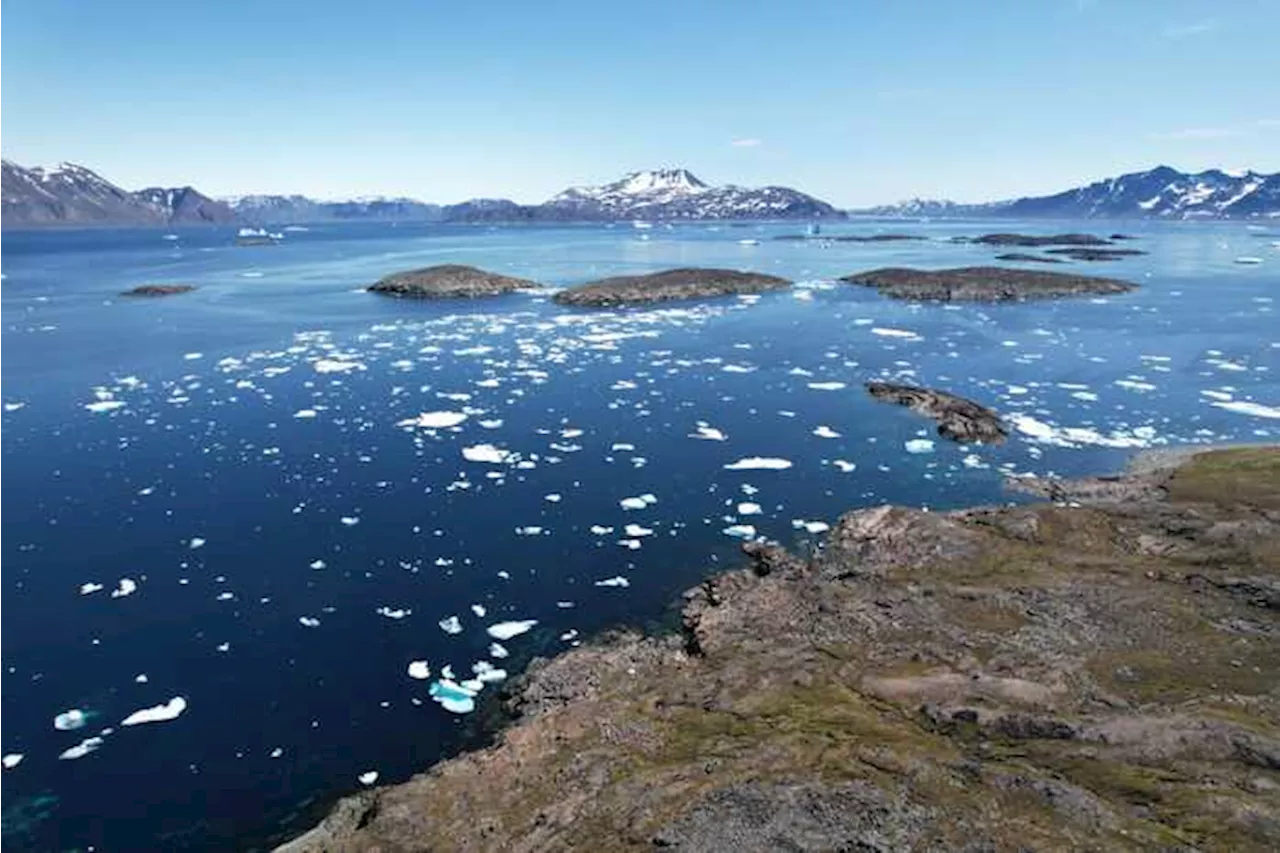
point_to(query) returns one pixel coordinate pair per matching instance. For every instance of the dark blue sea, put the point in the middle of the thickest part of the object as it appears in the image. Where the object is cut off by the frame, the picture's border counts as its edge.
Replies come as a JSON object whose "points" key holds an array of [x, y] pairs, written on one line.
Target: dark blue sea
{"points": [[263, 522]]}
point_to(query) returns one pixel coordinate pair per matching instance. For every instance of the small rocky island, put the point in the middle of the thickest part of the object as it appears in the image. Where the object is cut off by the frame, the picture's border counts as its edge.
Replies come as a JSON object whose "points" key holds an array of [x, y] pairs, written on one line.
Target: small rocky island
{"points": [[958, 419], [983, 284], [154, 290], [448, 281], [1023, 257], [1096, 675], [1079, 253], [1036, 240], [666, 286]]}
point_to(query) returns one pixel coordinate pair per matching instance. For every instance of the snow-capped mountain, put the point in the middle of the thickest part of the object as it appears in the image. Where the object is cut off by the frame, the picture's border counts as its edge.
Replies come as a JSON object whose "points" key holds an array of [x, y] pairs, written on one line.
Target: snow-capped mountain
{"points": [[186, 205], [679, 194], [278, 209], [1159, 193], [71, 195]]}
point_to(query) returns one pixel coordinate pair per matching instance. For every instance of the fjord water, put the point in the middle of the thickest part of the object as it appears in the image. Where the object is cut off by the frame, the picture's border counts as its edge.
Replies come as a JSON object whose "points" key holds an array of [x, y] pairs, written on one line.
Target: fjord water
{"points": [[237, 455]]}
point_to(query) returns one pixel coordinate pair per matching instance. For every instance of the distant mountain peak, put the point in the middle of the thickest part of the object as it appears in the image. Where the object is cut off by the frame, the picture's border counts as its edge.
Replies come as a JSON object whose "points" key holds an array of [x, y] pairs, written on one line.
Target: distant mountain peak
{"points": [[658, 180]]}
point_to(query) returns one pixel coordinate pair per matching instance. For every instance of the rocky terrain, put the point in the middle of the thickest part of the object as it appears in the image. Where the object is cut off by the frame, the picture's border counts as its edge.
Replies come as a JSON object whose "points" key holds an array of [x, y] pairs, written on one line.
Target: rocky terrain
{"points": [[153, 290], [669, 285], [958, 419], [983, 284], [1023, 257], [448, 281], [1078, 253], [1035, 240], [1101, 673], [71, 195]]}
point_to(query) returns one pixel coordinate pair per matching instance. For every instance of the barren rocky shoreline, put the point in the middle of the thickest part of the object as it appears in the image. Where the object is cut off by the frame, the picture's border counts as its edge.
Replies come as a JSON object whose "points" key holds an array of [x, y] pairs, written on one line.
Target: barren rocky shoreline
{"points": [[1100, 673]]}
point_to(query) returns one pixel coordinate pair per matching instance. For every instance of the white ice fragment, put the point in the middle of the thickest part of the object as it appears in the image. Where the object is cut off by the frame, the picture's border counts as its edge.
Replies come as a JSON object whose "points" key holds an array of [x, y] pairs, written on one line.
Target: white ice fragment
{"points": [[12, 760], [919, 445], [618, 581], [759, 463], [434, 420], [350, 520], [555, 499], [740, 531], [125, 586], [393, 613], [507, 630], [305, 413], [88, 588], [1245, 407], [104, 406], [895, 333], [451, 625], [486, 453], [70, 720], [600, 530], [195, 543], [419, 669], [170, 710], [826, 386], [479, 610], [81, 749], [845, 467], [308, 621], [368, 778], [708, 432], [749, 509], [632, 503], [825, 431], [333, 365], [636, 530], [317, 564]]}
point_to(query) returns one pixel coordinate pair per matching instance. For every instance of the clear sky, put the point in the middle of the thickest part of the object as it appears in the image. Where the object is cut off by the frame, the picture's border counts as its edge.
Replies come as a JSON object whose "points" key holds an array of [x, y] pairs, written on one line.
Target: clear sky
{"points": [[856, 101]]}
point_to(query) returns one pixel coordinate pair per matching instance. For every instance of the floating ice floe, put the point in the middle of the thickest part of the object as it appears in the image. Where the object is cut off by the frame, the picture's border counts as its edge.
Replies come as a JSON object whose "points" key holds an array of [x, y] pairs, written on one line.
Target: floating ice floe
{"points": [[170, 710], [196, 542], [451, 625], [434, 420], [1134, 385], [350, 520], [707, 432], [419, 669], [507, 630], [740, 531], [759, 463], [895, 333], [638, 502], [126, 586], [825, 431], [497, 650], [308, 621], [486, 453], [553, 498], [333, 365], [304, 414], [393, 613], [635, 530], [317, 564], [1245, 407], [487, 673], [749, 509], [12, 760], [81, 749], [600, 530], [89, 588], [104, 405], [453, 697], [13, 407], [479, 610], [70, 720], [919, 445], [1044, 433], [368, 778], [826, 386], [845, 467], [810, 526], [618, 580]]}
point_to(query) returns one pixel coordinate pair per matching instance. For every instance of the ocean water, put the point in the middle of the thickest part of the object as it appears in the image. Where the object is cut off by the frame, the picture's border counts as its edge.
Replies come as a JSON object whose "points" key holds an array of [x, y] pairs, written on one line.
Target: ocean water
{"points": [[228, 498]]}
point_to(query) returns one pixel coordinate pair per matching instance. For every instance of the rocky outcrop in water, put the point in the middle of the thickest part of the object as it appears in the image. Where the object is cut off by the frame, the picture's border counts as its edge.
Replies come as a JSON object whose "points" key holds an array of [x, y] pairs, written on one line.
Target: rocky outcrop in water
{"points": [[1084, 254], [983, 284], [669, 285], [1035, 240], [958, 419], [1022, 257], [153, 290], [1103, 675], [448, 281]]}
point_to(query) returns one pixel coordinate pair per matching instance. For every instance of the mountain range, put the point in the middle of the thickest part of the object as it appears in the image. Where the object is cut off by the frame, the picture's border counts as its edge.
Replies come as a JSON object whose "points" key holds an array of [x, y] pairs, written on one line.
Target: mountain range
{"points": [[74, 196], [1159, 193]]}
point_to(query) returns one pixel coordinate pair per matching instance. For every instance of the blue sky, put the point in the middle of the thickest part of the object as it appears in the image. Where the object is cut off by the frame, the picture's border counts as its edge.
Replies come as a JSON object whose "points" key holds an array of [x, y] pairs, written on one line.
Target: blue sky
{"points": [[856, 101]]}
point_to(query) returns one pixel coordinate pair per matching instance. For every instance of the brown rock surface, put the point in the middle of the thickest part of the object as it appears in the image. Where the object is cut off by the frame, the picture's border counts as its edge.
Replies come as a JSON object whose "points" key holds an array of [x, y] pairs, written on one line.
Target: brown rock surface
{"points": [[684, 283], [448, 281], [983, 284], [1103, 675]]}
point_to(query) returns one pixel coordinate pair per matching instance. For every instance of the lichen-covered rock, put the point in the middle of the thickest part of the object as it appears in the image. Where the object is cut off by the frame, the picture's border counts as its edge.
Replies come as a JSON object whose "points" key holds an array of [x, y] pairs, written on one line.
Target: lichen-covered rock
{"points": [[1101, 675], [983, 284], [958, 419], [448, 281], [676, 284]]}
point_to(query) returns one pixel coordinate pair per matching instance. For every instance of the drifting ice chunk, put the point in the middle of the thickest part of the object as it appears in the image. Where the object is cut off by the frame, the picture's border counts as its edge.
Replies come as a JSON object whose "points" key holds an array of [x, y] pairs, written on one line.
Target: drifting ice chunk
{"points": [[12, 760], [895, 333], [759, 463], [486, 453], [825, 431], [88, 588], [845, 467], [749, 509], [333, 365], [826, 386], [434, 420], [600, 530], [507, 630], [81, 749], [454, 697], [127, 586], [104, 406], [451, 625], [308, 622], [1244, 407], [635, 530], [919, 445], [740, 531], [70, 720], [497, 650], [419, 669], [708, 432], [368, 778], [170, 710], [614, 581]]}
